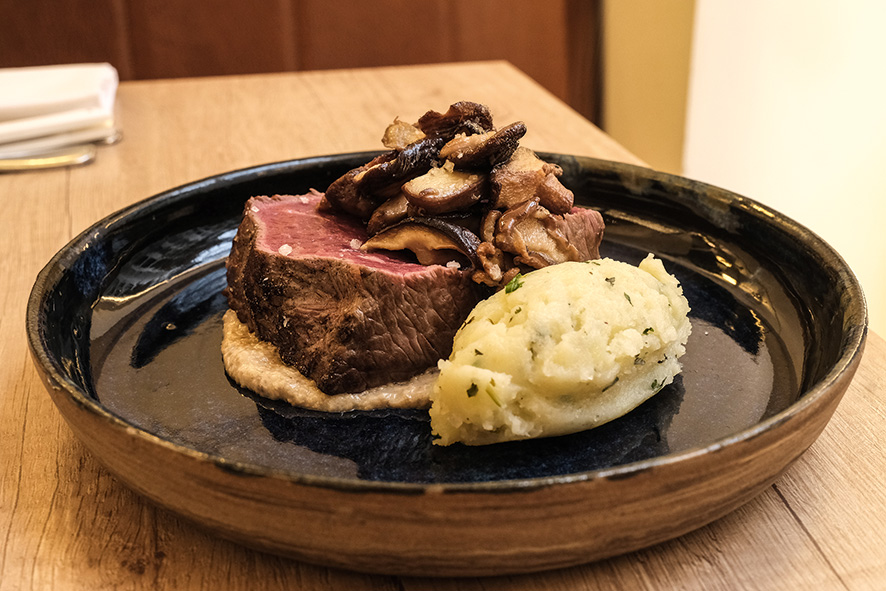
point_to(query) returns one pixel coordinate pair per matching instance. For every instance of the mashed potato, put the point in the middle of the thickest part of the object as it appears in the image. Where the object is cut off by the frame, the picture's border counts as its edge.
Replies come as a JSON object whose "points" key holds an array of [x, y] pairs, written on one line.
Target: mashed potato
{"points": [[560, 350]]}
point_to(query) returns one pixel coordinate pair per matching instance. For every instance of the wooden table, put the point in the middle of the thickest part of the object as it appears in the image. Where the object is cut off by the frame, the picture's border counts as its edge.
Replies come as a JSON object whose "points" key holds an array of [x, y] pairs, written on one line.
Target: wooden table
{"points": [[66, 523]]}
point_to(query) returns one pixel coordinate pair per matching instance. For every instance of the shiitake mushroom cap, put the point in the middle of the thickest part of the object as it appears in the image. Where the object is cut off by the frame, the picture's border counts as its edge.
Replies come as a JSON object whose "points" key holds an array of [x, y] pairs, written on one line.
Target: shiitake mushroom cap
{"points": [[432, 240], [484, 150], [443, 190], [461, 117], [526, 177], [348, 192], [388, 213], [414, 160]]}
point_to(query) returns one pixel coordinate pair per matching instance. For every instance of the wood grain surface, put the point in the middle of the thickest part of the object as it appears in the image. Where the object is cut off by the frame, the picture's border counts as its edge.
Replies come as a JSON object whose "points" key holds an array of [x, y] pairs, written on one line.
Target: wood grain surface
{"points": [[66, 523], [173, 39]]}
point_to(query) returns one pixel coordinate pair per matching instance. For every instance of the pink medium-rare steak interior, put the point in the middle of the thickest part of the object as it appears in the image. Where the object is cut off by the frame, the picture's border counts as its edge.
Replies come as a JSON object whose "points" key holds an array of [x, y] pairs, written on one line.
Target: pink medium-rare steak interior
{"points": [[293, 226]]}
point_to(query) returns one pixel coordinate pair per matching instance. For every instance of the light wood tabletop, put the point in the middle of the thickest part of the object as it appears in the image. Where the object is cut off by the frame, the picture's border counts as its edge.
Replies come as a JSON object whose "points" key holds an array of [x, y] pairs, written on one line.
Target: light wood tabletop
{"points": [[67, 523]]}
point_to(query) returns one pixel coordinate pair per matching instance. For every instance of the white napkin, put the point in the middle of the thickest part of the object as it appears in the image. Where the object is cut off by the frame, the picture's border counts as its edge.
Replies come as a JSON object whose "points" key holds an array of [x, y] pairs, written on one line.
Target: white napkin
{"points": [[48, 107]]}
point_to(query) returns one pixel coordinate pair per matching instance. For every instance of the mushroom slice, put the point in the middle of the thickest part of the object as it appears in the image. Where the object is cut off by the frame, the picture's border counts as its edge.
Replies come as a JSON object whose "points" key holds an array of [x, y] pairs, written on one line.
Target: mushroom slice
{"points": [[495, 266], [526, 177], [361, 190], [488, 225], [388, 213], [348, 192], [433, 241], [462, 117], [400, 134], [534, 236], [553, 195], [443, 189], [516, 181], [484, 150], [384, 179], [469, 219]]}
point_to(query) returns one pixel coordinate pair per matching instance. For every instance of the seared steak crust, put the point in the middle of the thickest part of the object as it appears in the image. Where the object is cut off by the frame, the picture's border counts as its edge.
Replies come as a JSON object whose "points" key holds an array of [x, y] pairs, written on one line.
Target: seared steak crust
{"points": [[345, 318]]}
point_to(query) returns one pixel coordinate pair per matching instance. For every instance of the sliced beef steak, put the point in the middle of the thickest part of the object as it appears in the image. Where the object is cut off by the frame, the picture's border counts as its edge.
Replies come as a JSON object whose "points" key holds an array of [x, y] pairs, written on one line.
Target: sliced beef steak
{"points": [[584, 230], [347, 319]]}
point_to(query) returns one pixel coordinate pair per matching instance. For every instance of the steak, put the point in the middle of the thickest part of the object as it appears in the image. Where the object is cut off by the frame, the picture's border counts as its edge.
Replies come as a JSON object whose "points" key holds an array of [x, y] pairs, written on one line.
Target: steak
{"points": [[346, 318], [584, 231]]}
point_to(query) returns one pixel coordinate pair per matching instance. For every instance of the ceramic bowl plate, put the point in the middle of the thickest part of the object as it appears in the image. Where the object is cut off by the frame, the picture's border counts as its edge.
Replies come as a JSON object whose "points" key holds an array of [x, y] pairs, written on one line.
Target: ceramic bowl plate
{"points": [[125, 326]]}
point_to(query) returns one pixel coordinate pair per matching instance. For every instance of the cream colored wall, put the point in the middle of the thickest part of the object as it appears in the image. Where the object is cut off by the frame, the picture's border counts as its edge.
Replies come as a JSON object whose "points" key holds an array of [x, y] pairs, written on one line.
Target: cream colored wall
{"points": [[646, 49], [784, 102], [787, 105]]}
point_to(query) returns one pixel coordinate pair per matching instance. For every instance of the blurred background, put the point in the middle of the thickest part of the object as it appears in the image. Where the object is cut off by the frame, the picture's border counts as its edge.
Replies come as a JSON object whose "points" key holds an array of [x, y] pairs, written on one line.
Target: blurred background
{"points": [[780, 101]]}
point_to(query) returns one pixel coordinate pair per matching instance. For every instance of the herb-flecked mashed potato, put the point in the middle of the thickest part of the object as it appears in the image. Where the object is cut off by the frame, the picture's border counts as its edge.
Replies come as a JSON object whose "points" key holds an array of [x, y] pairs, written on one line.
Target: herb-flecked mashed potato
{"points": [[560, 350]]}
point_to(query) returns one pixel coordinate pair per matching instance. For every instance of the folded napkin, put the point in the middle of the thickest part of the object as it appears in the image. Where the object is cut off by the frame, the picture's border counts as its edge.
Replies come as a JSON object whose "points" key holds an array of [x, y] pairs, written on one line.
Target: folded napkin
{"points": [[48, 107]]}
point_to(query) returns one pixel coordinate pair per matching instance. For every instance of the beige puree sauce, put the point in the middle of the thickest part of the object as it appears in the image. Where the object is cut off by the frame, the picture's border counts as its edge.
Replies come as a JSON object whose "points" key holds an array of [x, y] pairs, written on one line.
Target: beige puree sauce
{"points": [[256, 365]]}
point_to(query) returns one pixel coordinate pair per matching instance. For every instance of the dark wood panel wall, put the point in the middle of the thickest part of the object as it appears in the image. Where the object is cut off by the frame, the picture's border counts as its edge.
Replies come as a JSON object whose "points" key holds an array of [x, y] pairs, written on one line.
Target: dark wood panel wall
{"points": [[557, 42]]}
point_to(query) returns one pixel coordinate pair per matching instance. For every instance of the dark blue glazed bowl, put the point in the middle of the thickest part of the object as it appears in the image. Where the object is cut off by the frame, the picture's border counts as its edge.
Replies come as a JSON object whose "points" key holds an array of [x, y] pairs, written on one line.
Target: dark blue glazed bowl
{"points": [[125, 326]]}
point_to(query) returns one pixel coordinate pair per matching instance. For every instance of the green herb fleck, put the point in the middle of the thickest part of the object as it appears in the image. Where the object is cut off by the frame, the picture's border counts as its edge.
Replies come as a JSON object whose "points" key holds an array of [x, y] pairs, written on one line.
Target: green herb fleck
{"points": [[639, 360], [615, 381], [656, 385], [472, 391], [478, 352], [518, 310], [610, 280], [514, 284], [628, 298], [648, 330]]}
